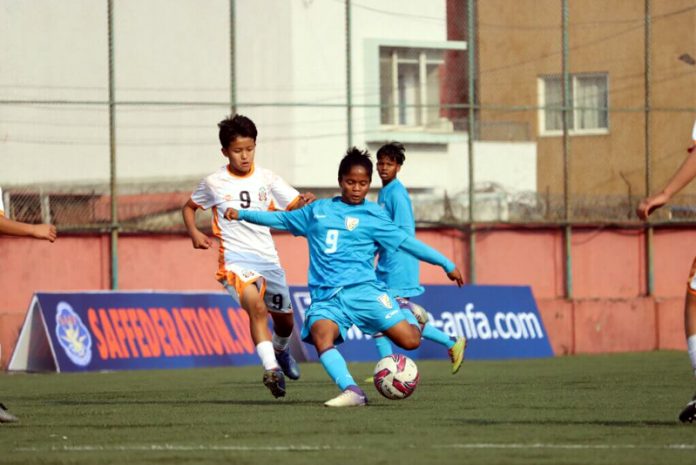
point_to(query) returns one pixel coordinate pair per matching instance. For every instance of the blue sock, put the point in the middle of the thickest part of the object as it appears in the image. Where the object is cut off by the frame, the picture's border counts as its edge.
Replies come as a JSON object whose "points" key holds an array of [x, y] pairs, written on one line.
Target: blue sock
{"points": [[431, 333], [335, 365], [384, 346]]}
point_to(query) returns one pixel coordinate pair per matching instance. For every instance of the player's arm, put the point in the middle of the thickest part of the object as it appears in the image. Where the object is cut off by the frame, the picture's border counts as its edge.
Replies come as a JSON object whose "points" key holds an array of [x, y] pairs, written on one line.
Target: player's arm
{"points": [[682, 177], [273, 219], [38, 231], [296, 221], [198, 238], [303, 199], [425, 253]]}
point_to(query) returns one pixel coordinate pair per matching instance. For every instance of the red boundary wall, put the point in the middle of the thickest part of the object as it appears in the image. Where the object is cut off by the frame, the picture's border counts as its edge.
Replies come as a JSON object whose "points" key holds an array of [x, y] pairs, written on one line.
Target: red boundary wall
{"points": [[609, 311]]}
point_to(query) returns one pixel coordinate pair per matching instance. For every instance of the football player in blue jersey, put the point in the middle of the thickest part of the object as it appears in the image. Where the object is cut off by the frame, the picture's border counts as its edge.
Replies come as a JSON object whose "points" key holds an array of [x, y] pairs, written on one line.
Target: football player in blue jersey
{"points": [[397, 269], [343, 234]]}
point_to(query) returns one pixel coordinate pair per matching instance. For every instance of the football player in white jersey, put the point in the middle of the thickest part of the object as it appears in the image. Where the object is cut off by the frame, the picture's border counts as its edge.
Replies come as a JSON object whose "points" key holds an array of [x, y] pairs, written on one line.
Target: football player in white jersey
{"points": [[683, 176], [249, 267], [17, 228]]}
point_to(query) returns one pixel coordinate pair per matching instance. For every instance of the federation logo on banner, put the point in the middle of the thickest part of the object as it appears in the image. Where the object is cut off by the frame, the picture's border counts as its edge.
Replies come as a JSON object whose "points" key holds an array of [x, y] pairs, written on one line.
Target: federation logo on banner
{"points": [[73, 335]]}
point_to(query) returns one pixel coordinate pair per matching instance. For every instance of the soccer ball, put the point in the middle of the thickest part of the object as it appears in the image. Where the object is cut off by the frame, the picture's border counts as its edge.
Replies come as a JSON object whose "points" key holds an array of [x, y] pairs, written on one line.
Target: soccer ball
{"points": [[396, 376]]}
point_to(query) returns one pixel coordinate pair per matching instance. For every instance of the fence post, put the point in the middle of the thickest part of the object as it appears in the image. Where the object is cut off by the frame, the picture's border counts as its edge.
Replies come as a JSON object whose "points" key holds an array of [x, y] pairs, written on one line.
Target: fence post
{"points": [[567, 108], [112, 153]]}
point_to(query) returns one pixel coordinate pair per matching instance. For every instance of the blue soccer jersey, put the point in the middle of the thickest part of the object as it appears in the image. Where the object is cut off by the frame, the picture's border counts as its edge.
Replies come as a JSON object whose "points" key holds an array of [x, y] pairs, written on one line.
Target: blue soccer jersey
{"points": [[397, 269], [343, 240]]}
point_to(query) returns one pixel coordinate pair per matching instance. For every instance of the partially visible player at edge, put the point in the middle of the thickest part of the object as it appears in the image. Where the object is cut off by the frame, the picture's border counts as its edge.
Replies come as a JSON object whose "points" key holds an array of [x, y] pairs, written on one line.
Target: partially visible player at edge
{"points": [[397, 269], [17, 228], [683, 176], [248, 264], [343, 234]]}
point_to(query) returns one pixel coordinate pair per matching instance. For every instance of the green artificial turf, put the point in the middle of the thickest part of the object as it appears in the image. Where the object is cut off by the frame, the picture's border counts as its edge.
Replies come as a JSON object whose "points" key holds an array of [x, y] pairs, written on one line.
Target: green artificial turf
{"points": [[607, 409]]}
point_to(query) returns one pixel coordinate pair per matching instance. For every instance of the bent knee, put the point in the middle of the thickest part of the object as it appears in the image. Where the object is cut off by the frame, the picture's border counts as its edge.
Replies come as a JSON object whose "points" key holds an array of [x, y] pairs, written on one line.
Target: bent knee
{"points": [[410, 340], [411, 343]]}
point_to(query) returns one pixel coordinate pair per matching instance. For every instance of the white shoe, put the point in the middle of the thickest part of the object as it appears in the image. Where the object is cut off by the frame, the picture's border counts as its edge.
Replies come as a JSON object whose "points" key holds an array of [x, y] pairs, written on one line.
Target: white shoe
{"points": [[352, 396], [5, 416]]}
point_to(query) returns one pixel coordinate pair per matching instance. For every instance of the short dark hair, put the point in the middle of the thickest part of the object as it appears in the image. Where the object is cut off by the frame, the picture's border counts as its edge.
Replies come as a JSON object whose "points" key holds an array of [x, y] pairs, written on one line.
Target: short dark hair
{"points": [[393, 150], [236, 126], [355, 157]]}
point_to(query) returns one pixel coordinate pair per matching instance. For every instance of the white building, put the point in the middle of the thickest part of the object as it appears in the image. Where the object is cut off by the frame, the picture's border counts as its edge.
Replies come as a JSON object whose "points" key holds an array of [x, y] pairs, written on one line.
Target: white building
{"points": [[290, 79]]}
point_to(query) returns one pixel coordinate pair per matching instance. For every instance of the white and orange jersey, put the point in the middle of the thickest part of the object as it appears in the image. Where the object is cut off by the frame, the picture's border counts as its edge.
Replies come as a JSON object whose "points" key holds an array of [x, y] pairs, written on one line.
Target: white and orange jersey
{"points": [[242, 243]]}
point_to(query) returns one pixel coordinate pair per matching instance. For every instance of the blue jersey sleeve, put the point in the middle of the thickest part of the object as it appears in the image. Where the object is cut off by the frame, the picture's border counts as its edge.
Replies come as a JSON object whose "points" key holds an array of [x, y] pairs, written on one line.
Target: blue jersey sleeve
{"points": [[426, 253], [401, 211], [295, 221]]}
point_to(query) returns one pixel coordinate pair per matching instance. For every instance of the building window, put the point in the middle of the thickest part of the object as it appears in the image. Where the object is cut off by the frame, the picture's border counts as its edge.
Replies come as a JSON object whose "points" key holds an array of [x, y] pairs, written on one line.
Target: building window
{"points": [[589, 97], [410, 80]]}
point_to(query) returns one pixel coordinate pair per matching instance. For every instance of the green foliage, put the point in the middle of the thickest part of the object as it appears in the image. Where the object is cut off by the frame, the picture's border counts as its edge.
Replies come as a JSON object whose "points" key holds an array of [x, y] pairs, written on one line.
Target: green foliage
{"points": [[609, 409]]}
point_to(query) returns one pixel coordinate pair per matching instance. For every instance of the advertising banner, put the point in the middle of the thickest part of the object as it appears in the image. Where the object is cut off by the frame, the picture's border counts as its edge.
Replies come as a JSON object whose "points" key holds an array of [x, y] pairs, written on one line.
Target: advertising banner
{"points": [[89, 331]]}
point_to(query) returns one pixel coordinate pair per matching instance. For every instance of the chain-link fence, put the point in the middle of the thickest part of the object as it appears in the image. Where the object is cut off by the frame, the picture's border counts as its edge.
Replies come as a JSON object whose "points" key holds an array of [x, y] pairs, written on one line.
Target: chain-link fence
{"points": [[576, 109]]}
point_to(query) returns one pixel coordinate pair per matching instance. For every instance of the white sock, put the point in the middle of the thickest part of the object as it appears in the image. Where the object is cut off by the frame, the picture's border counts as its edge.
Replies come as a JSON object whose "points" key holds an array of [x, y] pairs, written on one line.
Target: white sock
{"points": [[267, 355], [691, 345], [280, 343]]}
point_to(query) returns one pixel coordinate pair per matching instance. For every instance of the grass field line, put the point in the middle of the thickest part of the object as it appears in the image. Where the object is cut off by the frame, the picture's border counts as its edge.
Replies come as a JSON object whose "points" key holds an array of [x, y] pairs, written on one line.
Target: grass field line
{"points": [[307, 447]]}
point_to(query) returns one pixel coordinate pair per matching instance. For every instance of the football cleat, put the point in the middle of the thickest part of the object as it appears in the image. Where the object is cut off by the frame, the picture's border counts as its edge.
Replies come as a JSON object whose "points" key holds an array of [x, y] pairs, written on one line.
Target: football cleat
{"points": [[418, 311], [689, 412], [288, 364], [274, 380], [456, 353], [5, 416], [352, 396]]}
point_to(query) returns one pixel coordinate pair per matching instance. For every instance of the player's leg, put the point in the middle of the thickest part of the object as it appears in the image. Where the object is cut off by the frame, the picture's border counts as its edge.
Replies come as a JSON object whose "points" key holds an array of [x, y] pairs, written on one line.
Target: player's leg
{"points": [[247, 288], [277, 298], [324, 333], [404, 334], [455, 346], [283, 324], [252, 301], [688, 414], [325, 325], [384, 347]]}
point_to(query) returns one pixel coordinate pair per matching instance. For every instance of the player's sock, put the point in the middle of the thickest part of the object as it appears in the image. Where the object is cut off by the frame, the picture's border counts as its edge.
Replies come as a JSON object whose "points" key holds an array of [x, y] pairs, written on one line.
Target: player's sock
{"points": [[411, 319], [691, 345], [280, 343], [337, 368], [384, 347], [431, 333], [267, 355]]}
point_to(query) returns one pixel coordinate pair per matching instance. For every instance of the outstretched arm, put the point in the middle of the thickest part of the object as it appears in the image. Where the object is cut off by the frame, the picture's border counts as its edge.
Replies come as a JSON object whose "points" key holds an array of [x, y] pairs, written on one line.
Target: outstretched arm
{"points": [[426, 253], [38, 231], [271, 219], [682, 177]]}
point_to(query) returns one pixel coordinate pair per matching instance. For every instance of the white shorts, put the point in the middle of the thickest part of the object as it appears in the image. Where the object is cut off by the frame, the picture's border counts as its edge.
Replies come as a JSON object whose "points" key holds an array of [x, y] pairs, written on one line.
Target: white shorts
{"points": [[270, 283]]}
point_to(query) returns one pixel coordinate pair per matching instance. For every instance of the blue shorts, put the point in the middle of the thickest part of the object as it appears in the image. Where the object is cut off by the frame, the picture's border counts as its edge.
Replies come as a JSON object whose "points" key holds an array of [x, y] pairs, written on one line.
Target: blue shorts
{"points": [[369, 306]]}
